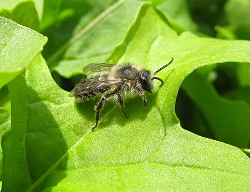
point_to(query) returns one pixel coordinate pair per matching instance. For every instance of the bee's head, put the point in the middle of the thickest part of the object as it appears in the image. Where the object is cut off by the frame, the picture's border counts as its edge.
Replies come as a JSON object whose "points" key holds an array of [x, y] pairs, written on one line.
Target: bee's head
{"points": [[146, 78]]}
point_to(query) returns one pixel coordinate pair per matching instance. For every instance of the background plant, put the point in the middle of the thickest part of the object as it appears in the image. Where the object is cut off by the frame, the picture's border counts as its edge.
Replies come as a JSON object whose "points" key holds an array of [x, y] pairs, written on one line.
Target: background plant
{"points": [[50, 145]]}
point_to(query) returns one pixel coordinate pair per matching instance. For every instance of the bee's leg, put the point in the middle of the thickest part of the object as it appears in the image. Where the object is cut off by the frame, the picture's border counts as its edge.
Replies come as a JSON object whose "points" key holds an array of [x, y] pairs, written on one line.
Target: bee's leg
{"points": [[142, 94], [99, 106], [120, 99], [144, 99]]}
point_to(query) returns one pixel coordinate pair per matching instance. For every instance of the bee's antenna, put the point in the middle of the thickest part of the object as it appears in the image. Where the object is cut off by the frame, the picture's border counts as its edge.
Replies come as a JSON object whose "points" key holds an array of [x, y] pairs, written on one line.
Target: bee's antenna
{"points": [[162, 83], [164, 66]]}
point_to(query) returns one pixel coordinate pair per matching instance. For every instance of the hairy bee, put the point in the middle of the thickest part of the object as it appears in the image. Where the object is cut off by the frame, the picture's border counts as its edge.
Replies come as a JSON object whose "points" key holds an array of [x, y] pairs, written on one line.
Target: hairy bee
{"points": [[116, 80]]}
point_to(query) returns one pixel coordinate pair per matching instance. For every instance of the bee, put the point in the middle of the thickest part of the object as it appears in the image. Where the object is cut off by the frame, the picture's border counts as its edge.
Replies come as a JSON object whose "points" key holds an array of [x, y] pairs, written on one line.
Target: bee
{"points": [[115, 80]]}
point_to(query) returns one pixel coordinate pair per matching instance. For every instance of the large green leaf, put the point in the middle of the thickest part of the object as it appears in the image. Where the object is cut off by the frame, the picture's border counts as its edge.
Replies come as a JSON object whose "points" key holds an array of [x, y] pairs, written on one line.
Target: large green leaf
{"points": [[51, 144], [95, 36], [18, 47]]}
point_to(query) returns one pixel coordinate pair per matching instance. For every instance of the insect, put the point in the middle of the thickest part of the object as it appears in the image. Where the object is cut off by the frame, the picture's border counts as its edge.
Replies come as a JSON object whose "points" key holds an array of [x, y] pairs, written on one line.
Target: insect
{"points": [[116, 80]]}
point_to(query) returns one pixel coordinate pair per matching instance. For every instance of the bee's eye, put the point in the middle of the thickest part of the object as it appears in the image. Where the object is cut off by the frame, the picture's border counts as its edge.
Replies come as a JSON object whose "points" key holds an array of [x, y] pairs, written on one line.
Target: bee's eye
{"points": [[146, 81]]}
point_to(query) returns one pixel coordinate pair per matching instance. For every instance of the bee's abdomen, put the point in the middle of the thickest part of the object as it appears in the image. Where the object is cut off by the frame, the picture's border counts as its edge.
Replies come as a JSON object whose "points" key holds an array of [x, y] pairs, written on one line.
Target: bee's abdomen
{"points": [[91, 87], [86, 94]]}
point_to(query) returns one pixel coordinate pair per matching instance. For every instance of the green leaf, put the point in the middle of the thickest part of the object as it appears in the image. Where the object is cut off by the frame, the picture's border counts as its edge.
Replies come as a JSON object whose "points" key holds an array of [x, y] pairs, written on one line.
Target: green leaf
{"points": [[24, 13], [50, 13], [237, 12], [15, 139], [20, 155], [243, 71], [51, 144], [4, 126], [178, 15], [247, 151], [8, 4], [18, 47], [230, 122], [238, 18], [4, 121], [4, 98], [95, 37]]}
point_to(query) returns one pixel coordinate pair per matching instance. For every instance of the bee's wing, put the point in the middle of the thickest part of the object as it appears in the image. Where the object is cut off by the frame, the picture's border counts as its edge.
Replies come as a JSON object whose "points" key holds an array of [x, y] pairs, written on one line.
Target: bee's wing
{"points": [[96, 67], [93, 86]]}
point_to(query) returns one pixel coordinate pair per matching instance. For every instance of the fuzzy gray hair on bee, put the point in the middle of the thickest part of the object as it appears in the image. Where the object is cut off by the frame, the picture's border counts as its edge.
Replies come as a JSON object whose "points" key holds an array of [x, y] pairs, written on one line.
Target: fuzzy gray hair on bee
{"points": [[117, 80]]}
